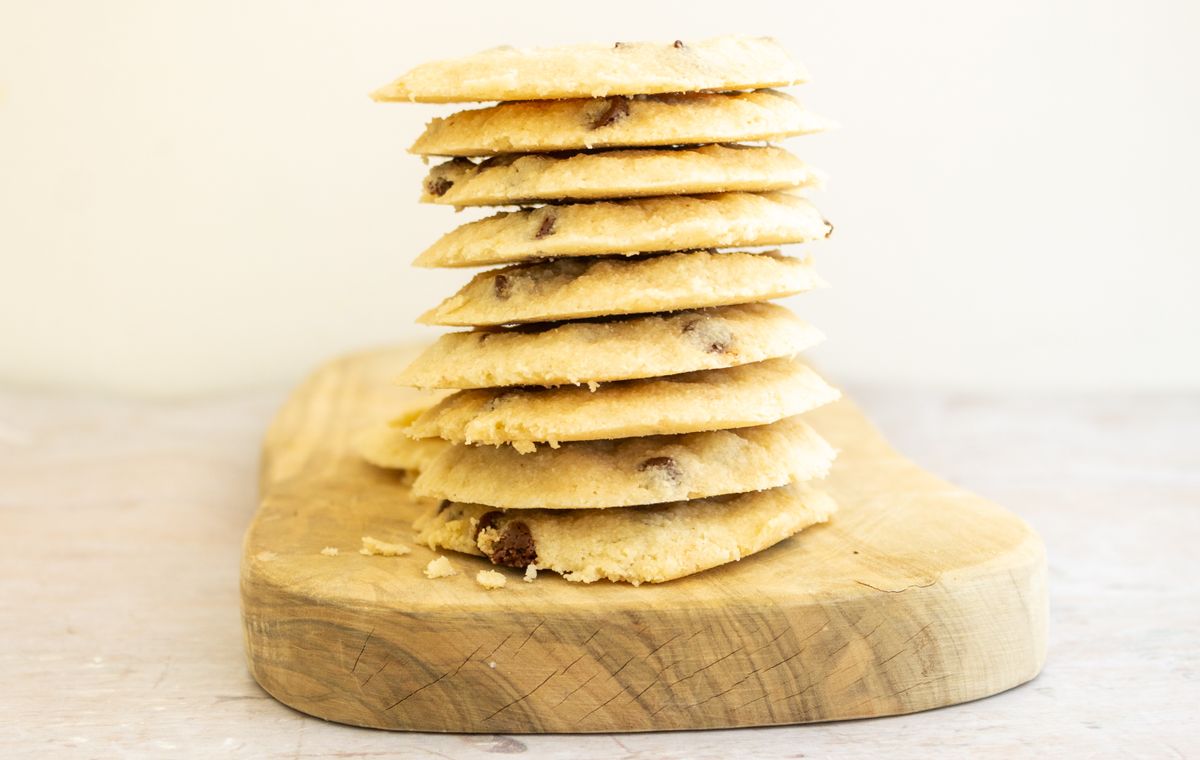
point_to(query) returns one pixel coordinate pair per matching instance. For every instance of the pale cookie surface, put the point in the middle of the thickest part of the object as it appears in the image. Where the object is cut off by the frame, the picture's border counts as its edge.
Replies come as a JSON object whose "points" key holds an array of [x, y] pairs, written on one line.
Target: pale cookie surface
{"points": [[638, 544], [629, 471], [617, 349], [599, 70], [717, 399], [670, 223], [627, 173], [579, 288], [386, 445], [697, 118]]}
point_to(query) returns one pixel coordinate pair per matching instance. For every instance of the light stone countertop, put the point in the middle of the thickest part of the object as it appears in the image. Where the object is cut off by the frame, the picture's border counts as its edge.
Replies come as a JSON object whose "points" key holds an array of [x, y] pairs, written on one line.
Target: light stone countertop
{"points": [[120, 632]]}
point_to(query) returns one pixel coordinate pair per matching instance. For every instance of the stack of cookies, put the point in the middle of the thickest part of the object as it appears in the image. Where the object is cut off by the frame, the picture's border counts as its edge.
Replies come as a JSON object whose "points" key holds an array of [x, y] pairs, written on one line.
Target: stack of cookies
{"points": [[626, 400]]}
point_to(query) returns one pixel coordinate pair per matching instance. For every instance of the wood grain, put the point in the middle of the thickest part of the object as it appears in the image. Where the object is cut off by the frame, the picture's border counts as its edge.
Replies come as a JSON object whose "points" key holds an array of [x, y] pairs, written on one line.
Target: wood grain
{"points": [[918, 595]]}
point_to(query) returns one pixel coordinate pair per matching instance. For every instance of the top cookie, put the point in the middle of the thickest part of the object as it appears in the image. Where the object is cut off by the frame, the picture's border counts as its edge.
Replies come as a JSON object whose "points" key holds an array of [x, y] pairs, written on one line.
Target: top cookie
{"points": [[696, 118], [599, 70]]}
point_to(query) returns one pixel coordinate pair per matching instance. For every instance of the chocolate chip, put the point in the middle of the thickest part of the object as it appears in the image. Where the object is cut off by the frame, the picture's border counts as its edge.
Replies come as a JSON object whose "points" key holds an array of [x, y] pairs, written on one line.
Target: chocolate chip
{"points": [[488, 520], [713, 337], [617, 109], [437, 186], [502, 286], [618, 45], [678, 43], [547, 227], [665, 467], [514, 547]]}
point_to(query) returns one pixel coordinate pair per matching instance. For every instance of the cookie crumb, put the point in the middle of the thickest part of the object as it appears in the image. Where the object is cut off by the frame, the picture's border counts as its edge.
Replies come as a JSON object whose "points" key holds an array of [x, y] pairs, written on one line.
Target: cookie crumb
{"points": [[593, 386], [439, 567], [530, 573], [330, 551], [373, 546], [525, 447], [492, 664], [490, 579]]}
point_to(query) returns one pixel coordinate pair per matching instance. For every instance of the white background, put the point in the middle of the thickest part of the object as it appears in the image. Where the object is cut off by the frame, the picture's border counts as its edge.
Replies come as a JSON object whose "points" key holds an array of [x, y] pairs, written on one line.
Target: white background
{"points": [[199, 197]]}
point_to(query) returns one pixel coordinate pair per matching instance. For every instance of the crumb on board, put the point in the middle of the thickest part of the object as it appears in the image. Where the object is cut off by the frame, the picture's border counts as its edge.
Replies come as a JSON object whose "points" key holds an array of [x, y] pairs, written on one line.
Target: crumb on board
{"points": [[373, 546], [492, 664], [439, 567], [530, 573], [330, 551], [490, 579], [265, 556]]}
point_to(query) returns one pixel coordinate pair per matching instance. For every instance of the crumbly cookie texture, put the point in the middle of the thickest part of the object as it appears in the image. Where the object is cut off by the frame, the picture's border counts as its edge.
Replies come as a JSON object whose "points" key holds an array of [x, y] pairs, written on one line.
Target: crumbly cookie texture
{"points": [[696, 118], [491, 579], [670, 223], [629, 471], [375, 547], [599, 70], [637, 545], [622, 173], [718, 399], [618, 349], [439, 567], [579, 288]]}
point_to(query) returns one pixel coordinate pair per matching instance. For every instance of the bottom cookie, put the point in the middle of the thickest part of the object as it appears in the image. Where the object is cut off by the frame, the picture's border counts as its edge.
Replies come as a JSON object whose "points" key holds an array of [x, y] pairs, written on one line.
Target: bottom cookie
{"points": [[649, 544]]}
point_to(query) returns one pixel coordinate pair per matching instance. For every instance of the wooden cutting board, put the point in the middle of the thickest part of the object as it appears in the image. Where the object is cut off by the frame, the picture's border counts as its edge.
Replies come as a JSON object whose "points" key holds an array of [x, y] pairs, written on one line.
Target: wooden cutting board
{"points": [[917, 595]]}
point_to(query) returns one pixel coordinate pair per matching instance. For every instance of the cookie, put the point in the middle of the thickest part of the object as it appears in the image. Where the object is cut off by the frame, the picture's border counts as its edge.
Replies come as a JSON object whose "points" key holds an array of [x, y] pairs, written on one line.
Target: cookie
{"points": [[592, 70], [612, 349], [670, 223], [697, 118], [621, 173], [592, 287], [387, 445], [638, 544], [629, 471], [716, 399]]}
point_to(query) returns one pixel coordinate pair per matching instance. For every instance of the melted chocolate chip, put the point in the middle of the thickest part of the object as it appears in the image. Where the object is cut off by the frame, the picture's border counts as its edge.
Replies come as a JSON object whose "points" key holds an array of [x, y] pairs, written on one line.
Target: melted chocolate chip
{"points": [[665, 467], [488, 520], [502, 286], [514, 547], [547, 227], [714, 337], [617, 109], [678, 43], [437, 186]]}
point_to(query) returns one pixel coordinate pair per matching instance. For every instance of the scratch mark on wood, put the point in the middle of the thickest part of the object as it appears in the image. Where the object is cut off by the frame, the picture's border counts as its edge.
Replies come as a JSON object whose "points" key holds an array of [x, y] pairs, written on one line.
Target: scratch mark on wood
{"points": [[577, 688], [405, 698], [523, 696], [386, 662], [601, 706], [574, 663], [466, 660], [498, 646], [363, 649], [778, 636], [530, 636], [897, 590], [660, 646], [706, 667]]}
